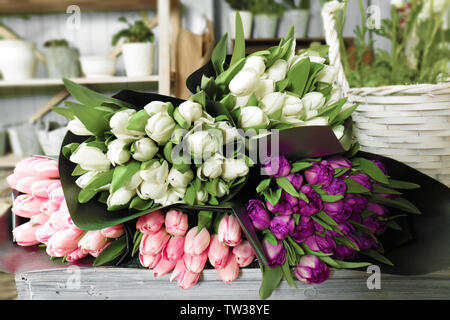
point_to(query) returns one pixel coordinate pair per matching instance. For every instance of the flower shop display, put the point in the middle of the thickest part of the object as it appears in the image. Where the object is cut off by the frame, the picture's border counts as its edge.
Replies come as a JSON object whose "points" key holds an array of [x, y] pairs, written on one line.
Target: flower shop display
{"points": [[244, 9], [17, 59], [138, 48], [403, 95], [267, 14], [62, 61], [297, 15]]}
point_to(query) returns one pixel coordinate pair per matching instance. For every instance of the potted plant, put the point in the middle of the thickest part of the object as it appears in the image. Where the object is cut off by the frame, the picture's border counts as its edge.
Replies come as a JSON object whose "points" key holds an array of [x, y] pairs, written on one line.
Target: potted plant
{"points": [[62, 61], [138, 48], [266, 16], [297, 15], [244, 8]]}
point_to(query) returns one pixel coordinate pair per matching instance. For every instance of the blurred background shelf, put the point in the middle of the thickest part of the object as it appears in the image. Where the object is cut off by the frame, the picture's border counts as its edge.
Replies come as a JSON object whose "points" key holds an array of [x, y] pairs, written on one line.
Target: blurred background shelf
{"points": [[9, 160]]}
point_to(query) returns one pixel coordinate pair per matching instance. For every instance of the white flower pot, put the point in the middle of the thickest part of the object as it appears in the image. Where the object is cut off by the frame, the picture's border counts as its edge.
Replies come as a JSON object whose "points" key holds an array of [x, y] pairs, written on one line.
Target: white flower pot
{"points": [[17, 59], [265, 26], [98, 66], [139, 58], [23, 140], [247, 20], [299, 18]]}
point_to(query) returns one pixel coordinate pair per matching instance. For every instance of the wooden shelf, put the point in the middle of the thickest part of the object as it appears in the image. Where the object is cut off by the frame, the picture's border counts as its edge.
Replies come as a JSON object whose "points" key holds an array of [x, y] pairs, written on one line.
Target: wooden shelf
{"points": [[45, 82], [9, 160]]}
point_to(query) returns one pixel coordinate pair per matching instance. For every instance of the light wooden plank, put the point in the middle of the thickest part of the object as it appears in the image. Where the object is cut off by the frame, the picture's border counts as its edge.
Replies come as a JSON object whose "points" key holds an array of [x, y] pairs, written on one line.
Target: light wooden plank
{"points": [[164, 47], [9, 160]]}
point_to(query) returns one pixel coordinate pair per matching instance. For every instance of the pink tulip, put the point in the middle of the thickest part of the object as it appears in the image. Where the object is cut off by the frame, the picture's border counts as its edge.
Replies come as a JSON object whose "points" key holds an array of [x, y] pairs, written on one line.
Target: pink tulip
{"points": [[149, 260], [43, 168], [195, 263], [25, 234], [24, 184], [57, 195], [150, 222], [163, 267], [63, 242], [174, 249], [176, 222], [185, 278], [229, 231], [113, 232], [42, 188], [76, 254], [48, 207], [58, 220], [217, 253], [244, 253], [230, 271], [195, 243], [27, 206], [95, 253], [154, 243], [92, 241], [39, 219], [11, 180]]}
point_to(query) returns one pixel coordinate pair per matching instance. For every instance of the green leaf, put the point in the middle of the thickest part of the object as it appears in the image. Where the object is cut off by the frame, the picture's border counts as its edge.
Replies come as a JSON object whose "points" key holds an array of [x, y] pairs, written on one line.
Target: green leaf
{"points": [[138, 121], [394, 225], [343, 115], [272, 197], [287, 186], [111, 252], [65, 112], [340, 171], [372, 170], [377, 256], [322, 223], [398, 184], [381, 189], [68, 149], [78, 171], [270, 238], [398, 203], [94, 120], [263, 185], [314, 253], [225, 77], [189, 196], [140, 204], [228, 102], [180, 120], [322, 215], [296, 246], [239, 41], [199, 97], [271, 278], [298, 76], [288, 274], [122, 174], [86, 194], [339, 264], [252, 101], [299, 166], [355, 187], [346, 242], [205, 219], [137, 243], [219, 54], [331, 198], [282, 84], [100, 180]]}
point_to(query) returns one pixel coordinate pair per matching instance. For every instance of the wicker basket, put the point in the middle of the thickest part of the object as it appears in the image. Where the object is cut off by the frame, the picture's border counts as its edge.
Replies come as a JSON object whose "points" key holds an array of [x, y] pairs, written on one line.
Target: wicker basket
{"points": [[409, 123]]}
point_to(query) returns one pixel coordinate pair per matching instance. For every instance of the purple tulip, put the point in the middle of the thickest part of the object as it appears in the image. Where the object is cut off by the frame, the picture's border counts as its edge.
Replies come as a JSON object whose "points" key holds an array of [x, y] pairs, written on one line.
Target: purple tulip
{"points": [[282, 226], [337, 186], [320, 173], [386, 195], [375, 225], [285, 206], [339, 162], [315, 202], [276, 166], [345, 228], [380, 166], [303, 230], [362, 179], [310, 269], [364, 241], [345, 253], [296, 180], [318, 228], [318, 243], [357, 203], [338, 210], [276, 254], [258, 214], [377, 208]]}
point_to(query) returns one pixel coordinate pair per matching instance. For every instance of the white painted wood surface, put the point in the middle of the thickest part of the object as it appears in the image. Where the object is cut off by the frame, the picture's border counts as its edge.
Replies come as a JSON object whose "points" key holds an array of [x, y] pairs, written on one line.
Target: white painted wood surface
{"points": [[108, 283]]}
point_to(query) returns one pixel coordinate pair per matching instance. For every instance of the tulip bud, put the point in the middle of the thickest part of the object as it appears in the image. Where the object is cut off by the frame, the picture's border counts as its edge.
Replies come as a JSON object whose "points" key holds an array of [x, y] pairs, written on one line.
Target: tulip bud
{"points": [[319, 121], [160, 127], [77, 127], [41, 168], [244, 254], [217, 253], [144, 149], [202, 196], [273, 103], [222, 189], [212, 168], [312, 58], [293, 107], [229, 231], [170, 197], [26, 206], [174, 249], [155, 107], [339, 131], [256, 64], [149, 190], [76, 255], [253, 117], [328, 74], [90, 158], [282, 226], [120, 197], [154, 243], [24, 184], [230, 271], [311, 269], [234, 168], [258, 214], [151, 222], [202, 144], [177, 179], [241, 101], [185, 278], [83, 180], [116, 153], [164, 266], [113, 232], [195, 263], [149, 260], [264, 87], [63, 242], [92, 241], [118, 124], [176, 222], [313, 100], [278, 70], [230, 133], [191, 111], [25, 234], [195, 243], [244, 83], [276, 254]]}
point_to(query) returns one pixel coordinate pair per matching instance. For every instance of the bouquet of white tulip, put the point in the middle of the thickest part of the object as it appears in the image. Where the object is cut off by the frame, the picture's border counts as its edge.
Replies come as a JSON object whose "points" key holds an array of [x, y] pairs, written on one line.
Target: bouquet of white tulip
{"points": [[156, 156], [276, 88]]}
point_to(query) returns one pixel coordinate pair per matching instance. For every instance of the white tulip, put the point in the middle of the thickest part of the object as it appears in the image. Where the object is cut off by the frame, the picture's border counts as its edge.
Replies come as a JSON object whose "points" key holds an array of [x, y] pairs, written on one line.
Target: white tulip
{"points": [[178, 191], [397, 4], [222, 189], [255, 63], [118, 124], [202, 144], [273, 103], [230, 133], [339, 131], [253, 117], [313, 100], [90, 158], [178, 179], [335, 95], [83, 180], [144, 149], [293, 107], [264, 87], [244, 83], [178, 134], [155, 107], [120, 197], [202, 196], [278, 70], [77, 127], [333, 6], [116, 153], [191, 111], [311, 114], [319, 121], [151, 190], [160, 127], [241, 101], [328, 74], [234, 168], [306, 55], [157, 172], [134, 181], [212, 168], [170, 197]]}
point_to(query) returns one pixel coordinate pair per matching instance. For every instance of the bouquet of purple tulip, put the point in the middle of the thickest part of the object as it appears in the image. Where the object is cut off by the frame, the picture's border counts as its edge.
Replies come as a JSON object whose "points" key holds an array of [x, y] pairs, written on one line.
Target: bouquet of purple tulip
{"points": [[323, 212]]}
